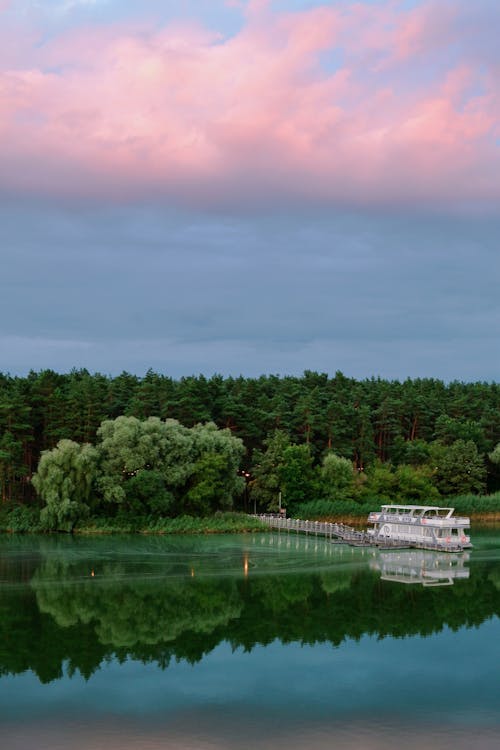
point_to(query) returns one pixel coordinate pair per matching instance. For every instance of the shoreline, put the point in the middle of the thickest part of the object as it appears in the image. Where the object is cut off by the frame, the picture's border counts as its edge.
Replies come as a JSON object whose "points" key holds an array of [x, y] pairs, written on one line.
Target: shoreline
{"points": [[218, 526]]}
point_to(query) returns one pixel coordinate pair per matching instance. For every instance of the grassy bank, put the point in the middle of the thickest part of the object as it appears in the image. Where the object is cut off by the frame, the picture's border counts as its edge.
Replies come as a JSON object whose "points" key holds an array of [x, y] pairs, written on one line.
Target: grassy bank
{"points": [[220, 523], [23, 519], [26, 519]]}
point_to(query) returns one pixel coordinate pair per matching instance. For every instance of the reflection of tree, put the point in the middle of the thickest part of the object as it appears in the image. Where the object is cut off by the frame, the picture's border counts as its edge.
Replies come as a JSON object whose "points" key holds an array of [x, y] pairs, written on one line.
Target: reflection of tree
{"points": [[277, 594], [336, 580], [125, 613], [494, 577], [32, 640], [67, 617]]}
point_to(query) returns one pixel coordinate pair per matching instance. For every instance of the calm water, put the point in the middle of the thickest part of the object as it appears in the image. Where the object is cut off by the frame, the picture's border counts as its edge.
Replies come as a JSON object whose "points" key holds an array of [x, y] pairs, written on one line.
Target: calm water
{"points": [[261, 641]]}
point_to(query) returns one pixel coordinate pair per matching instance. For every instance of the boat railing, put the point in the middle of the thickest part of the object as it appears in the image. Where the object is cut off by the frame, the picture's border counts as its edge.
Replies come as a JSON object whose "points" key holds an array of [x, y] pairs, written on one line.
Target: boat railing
{"points": [[432, 520], [452, 521], [397, 518]]}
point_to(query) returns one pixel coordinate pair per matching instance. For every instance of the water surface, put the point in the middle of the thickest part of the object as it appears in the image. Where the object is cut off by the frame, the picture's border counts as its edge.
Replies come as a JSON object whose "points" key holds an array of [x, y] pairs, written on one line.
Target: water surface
{"points": [[246, 641]]}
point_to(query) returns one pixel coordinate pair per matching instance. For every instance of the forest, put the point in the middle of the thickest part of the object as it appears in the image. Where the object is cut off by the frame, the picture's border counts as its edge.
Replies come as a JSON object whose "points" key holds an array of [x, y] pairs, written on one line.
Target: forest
{"points": [[219, 443]]}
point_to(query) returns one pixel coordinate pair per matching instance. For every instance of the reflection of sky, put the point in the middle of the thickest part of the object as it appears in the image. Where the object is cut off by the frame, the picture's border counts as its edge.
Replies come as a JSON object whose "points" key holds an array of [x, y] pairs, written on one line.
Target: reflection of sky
{"points": [[450, 677]]}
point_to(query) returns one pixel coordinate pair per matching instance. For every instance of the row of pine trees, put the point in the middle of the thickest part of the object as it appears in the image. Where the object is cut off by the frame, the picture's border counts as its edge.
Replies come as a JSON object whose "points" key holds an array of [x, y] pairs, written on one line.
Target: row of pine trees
{"points": [[368, 422]]}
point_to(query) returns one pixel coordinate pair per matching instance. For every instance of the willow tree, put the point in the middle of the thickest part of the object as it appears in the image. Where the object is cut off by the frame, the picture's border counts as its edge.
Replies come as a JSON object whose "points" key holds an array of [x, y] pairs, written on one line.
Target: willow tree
{"points": [[337, 476], [144, 467], [129, 447], [64, 480], [184, 469], [494, 456]]}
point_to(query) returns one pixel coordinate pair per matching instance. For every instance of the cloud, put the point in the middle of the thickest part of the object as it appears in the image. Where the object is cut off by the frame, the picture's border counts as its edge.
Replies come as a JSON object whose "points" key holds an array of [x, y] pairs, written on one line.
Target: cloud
{"points": [[65, 6], [128, 110], [129, 287]]}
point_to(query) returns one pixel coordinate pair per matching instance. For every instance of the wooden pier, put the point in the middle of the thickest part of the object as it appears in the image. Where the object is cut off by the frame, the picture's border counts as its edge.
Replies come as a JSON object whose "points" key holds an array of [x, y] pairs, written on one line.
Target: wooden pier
{"points": [[340, 533]]}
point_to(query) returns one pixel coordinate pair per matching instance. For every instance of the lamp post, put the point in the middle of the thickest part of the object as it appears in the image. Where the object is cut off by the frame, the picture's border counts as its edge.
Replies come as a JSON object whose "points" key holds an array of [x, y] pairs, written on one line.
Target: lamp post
{"points": [[246, 475]]}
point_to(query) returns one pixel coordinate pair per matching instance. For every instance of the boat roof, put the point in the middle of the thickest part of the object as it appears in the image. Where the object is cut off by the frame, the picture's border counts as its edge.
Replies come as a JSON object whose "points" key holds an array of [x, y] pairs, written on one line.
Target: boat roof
{"points": [[417, 507]]}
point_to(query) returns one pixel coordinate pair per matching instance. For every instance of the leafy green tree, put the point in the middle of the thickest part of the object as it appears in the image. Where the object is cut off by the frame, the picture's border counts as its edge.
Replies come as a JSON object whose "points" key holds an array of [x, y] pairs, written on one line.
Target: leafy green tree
{"points": [[414, 485], [11, 461], [380, 483], [128, 445], [209, 491], [337, 477], [449, 430], [267, 470], [494, 456], [15, 441], [146, 493], [143, 467], [388, 424], [417, 452], [220, 453], [363, 436], [64, 481], [198, 461], [458, 468], [297, 475]]}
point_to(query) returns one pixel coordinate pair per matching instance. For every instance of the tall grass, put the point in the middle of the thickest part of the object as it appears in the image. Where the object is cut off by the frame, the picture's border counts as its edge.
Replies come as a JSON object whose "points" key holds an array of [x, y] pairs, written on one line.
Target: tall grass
{"points": [[325, 508], [474, 503], [220, 523], [468, 504]]}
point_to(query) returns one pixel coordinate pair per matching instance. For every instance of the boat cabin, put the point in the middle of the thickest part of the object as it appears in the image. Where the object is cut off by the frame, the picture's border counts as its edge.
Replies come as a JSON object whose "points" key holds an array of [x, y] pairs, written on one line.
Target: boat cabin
{"points": [[426, 526]]}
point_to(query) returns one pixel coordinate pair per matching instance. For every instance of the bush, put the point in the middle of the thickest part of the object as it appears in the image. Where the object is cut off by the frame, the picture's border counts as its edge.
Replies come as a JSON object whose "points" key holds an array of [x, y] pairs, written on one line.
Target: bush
{"points": [[20, 519]]}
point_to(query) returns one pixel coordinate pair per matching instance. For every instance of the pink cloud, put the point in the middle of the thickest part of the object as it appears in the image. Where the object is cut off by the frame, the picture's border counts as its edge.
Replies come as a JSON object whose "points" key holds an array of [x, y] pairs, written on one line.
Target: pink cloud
{"points": [[185, 113]]}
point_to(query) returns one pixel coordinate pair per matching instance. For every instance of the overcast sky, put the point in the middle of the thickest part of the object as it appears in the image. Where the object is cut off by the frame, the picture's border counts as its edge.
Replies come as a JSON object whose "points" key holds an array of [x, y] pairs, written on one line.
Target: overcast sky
{"points": [[207, 186]]}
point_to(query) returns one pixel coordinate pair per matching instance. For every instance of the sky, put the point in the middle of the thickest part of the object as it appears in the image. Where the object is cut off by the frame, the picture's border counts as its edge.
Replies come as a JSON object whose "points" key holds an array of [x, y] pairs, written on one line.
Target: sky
{"points": [[250, 187]]}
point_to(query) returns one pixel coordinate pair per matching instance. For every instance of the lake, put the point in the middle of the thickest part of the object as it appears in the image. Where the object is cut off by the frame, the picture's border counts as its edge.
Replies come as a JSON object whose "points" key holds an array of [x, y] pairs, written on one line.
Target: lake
{"points": [[248, 641]]}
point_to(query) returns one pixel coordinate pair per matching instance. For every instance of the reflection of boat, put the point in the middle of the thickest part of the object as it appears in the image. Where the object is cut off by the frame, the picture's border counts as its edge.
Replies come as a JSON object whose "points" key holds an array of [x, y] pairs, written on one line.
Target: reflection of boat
{"points": [[425, 526], [421, 566]]}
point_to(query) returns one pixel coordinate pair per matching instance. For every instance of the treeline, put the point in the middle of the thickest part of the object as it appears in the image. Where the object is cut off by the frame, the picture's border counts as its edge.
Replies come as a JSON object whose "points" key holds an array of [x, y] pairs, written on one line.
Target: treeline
{"points": [[394, 434]]}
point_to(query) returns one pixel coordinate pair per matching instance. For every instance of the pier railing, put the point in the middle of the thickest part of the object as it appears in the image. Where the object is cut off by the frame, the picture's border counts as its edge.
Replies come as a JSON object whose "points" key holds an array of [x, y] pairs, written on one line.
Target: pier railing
{"points": [[340, 532], [319, 528]]}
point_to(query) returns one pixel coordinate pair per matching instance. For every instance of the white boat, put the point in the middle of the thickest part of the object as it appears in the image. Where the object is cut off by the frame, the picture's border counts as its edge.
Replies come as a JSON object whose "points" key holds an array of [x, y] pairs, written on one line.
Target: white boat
{"points": [[425, 526]]}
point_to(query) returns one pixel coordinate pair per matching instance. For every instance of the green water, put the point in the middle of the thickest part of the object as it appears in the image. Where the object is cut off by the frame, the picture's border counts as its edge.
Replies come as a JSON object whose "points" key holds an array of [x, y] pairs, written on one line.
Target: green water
{"points": [[249, 641]]}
